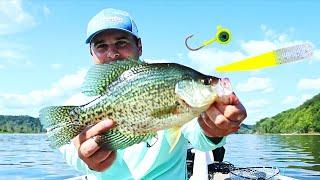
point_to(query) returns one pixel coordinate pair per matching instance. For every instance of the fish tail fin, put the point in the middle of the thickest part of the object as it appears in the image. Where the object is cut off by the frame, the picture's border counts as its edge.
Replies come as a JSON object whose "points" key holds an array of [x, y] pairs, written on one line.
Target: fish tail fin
{"points": [[61, 123]]}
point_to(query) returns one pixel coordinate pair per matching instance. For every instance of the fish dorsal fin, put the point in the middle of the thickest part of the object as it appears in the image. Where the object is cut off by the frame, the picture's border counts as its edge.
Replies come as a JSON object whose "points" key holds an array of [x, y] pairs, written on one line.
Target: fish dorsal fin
{"points": [[173, 137], [100, 76]]}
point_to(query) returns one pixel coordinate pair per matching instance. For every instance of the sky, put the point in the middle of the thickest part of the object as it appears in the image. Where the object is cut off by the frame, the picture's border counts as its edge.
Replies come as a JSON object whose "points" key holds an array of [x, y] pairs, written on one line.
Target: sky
{"points": [[44, 58]]}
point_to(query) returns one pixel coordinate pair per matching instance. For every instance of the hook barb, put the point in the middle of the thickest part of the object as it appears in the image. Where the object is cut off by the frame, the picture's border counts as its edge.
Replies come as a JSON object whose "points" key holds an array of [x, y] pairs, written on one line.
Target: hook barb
{"points": [[190, 48]]}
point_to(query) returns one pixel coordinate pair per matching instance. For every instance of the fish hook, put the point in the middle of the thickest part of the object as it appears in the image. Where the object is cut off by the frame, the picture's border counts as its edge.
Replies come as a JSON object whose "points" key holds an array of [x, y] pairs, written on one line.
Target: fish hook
{"points": [[223, 36], [192, 49]]}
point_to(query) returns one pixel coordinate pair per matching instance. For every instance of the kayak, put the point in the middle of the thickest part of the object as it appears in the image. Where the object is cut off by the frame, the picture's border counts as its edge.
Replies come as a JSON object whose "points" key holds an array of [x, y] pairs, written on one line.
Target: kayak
{"points": [[200, 166], [216, 176], [230, 176]]}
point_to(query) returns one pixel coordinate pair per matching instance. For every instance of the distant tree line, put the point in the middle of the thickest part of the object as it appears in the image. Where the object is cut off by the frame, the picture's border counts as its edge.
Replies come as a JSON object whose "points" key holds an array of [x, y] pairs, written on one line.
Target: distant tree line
{"points": [[303, 119], [20, 124], [245, 129]]}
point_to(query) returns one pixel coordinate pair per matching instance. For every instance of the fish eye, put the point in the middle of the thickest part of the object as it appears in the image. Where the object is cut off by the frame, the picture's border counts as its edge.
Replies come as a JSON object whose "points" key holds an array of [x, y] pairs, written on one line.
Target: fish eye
{"points": [[206, 81]]}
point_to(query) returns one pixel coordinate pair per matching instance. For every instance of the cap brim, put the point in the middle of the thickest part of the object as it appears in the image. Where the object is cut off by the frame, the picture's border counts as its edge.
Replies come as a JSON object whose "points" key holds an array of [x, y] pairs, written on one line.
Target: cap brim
{"points": [[89, 39]]}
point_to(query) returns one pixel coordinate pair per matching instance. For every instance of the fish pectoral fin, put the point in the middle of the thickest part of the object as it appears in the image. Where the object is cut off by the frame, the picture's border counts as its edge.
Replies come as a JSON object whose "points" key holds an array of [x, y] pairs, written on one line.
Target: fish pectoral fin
{"points": [[173, 137], [115, 139]]}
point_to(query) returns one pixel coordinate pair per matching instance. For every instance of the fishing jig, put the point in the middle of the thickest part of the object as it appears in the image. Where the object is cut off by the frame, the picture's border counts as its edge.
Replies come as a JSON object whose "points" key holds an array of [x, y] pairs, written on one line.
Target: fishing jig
{"points": [[270, 59], [223, 36]]}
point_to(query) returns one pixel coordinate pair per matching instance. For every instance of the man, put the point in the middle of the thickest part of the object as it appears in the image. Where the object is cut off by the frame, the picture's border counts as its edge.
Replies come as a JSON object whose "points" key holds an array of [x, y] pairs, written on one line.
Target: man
{"points": [[112, 35]]}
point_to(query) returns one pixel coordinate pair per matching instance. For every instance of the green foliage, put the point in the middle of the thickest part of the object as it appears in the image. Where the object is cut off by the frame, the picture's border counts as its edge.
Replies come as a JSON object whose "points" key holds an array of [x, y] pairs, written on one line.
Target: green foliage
{"points": [[303, 119], [20, 124], [245, 129]]}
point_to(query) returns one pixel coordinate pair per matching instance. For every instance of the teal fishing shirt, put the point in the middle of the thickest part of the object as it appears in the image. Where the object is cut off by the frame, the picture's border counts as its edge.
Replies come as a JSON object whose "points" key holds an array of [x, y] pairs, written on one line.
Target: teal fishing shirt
{"points": [[141, 161]]}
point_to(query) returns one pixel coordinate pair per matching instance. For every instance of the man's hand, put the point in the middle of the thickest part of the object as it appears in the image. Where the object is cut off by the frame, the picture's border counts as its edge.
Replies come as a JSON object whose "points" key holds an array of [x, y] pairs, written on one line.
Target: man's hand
{"points": [[222, 119], [90, 152]]}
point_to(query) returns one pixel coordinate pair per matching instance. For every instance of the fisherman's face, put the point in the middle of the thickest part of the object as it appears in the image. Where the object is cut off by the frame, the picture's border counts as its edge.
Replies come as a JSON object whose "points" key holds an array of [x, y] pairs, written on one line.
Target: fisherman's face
{"points": [[112, 45]]}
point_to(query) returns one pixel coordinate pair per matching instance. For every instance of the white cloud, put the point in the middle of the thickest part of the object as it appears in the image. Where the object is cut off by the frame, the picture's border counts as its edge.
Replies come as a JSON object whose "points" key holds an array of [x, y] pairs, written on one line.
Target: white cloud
{"points": [[256, 103], [14, 54], [69, 82], [56, 66], [254, 47], [309, 84], [34, 100], [316, 54], [276, 37], [180, 55], [17, 59], [9, 54], [14, 18], [267, 31], [272, 41], [78, 99], [306, 97], [256, 84], [295, 101], [2, 66], [28, 63], [46, 11], [208, 59], [289, 100], [254, 115]]}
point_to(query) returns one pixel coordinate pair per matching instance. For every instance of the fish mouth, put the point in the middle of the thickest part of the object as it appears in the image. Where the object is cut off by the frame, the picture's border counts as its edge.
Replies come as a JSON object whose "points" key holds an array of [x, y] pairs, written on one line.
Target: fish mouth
{"points": [[223, 87]]}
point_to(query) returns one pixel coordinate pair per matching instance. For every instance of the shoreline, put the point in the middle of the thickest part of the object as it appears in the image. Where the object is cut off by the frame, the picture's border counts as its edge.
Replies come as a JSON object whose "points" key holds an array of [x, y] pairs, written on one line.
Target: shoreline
{"points": [[304, 134], [289, 134], [281, 134], [21, 133]]}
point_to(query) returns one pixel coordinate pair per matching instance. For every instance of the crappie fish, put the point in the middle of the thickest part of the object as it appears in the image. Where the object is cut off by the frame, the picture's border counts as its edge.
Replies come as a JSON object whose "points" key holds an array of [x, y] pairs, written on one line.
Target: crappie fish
{"points": [[141, 98]]}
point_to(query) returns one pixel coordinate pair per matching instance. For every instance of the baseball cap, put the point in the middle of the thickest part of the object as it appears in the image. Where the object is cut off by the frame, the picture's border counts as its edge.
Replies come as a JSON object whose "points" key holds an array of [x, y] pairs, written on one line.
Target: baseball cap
{"points": [[111, 19]]}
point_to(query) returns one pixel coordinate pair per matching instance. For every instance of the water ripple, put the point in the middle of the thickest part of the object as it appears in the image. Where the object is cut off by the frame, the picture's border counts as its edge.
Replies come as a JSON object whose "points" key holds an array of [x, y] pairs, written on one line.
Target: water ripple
{"points": [[28, 156]]}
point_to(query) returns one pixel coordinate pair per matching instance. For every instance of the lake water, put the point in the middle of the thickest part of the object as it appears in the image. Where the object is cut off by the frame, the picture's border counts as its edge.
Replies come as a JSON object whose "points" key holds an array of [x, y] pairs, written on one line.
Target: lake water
{"points": [[28, 156]]}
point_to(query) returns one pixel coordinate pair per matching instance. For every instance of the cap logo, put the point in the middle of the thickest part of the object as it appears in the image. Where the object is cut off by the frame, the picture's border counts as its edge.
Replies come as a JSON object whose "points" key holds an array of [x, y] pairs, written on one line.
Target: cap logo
{"points": [[114, 19]]}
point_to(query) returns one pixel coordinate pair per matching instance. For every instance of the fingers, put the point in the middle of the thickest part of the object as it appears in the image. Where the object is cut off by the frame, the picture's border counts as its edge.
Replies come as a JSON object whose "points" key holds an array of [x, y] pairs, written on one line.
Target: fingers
{"points": [[102, 165], [96, 157], [223, 118], [88, 147], [107, 162], [101, 155], [233, 111], [97, 129], [92, 131], [213, 117], [211, 129]]}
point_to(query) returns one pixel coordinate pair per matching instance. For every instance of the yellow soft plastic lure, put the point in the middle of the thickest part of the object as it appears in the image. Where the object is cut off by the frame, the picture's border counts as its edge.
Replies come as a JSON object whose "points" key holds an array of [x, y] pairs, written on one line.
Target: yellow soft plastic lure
{"points": [[269, 59], [223, 36]]}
